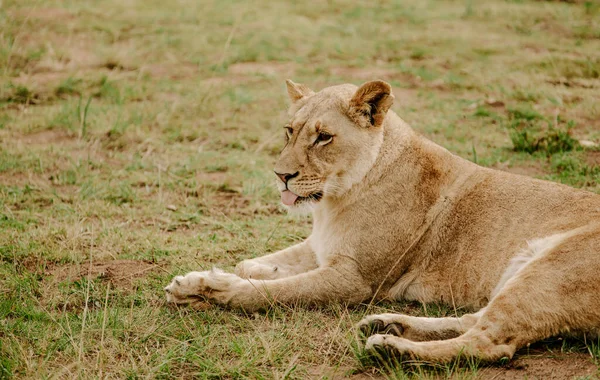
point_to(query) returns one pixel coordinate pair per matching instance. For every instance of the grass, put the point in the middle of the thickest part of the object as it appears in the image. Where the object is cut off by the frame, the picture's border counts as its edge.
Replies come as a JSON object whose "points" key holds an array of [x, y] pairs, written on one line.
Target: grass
{"points": [[530, 133], [143, 133]]}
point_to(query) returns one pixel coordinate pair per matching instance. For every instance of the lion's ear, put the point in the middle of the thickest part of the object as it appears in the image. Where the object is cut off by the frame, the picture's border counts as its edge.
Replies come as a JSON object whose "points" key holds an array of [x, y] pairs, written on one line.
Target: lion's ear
{"points": [[370, 103], [297, 91]]}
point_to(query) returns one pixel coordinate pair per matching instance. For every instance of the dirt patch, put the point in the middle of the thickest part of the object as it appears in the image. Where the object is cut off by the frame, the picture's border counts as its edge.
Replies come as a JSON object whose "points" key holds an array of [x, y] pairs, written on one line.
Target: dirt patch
{"points": [[27, 89], [62, 53], [229, 203], [344, 372], [10, 178], [219, 177], [36, 181], [534, 48], [585, 126], [120, 273], [531, 169], [365, 72], [178, 70], [44, 14], [228, 80], [44, 80], [580, 82], [564, 366], [48, 136], [167, 97], [81, 56], [71, 58], [542, 365], [286, 69], [371, 73], [592, 158]]}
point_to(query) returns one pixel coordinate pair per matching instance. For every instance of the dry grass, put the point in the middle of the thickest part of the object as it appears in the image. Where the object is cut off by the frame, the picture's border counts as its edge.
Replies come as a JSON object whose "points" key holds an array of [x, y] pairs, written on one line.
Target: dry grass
{"points": [[138, 137]]}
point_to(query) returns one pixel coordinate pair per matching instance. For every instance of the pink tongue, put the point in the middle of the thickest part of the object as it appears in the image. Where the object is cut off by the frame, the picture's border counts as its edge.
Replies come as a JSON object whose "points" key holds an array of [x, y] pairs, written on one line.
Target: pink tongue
{"points": [[288, 198]]}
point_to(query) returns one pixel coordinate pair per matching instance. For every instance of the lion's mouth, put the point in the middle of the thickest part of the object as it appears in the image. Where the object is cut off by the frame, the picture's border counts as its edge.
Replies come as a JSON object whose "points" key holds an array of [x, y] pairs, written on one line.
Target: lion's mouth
{"points": [[315, 197], [289, 199]]}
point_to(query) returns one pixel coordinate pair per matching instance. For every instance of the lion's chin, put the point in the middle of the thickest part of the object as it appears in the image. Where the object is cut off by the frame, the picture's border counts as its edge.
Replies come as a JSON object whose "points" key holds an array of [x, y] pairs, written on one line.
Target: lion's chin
{"points": [[305, 204], [313, 198]]}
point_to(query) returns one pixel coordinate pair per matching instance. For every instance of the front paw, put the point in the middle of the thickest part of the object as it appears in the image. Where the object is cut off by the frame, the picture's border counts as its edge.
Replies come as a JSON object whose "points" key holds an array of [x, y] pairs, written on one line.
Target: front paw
{"points": [[255, 270], [197, 287]]}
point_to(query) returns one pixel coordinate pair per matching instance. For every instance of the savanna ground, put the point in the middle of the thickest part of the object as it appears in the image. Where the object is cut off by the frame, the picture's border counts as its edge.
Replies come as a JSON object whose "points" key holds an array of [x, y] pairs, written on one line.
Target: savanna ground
{"points": [[137, 140]]}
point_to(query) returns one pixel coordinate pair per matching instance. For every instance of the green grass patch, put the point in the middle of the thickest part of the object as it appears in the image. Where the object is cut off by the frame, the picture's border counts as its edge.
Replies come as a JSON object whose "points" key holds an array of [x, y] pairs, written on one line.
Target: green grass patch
{"points": [[530, 132]]}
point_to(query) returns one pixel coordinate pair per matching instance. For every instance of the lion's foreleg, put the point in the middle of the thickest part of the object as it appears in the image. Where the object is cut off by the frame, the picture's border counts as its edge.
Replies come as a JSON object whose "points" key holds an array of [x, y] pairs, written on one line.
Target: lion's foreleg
{"points": [[294, 260], [317, 287]]}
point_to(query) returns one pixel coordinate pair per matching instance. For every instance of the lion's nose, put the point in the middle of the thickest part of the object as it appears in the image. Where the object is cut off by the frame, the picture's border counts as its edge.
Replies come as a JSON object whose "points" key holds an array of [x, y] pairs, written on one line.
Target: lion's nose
{"points": [[285, 177]]}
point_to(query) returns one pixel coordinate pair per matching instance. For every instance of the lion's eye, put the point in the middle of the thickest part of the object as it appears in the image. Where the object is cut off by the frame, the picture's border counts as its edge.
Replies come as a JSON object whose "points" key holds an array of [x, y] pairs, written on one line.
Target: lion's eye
{"points": [[324, 138], [289, 132]]}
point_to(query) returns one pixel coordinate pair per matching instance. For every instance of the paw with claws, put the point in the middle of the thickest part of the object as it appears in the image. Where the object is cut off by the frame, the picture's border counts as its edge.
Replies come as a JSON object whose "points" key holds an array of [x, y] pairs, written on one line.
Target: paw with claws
{"points": [[382, 333], [399, 348], [198, 287], [382, 324]]}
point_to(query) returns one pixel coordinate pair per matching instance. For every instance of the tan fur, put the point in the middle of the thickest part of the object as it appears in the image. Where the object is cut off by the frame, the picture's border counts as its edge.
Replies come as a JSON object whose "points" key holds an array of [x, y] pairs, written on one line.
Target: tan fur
{"points": [[403, 218]]}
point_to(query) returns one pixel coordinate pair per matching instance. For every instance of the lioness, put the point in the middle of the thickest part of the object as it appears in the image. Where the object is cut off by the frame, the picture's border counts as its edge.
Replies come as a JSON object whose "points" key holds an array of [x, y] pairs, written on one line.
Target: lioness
{"points": [[399, 217]]}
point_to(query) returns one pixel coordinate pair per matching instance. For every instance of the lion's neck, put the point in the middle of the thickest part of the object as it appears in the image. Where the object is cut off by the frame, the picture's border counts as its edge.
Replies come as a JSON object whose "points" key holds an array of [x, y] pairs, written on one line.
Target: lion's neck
{"points": [[409, 177], [407, 163]]}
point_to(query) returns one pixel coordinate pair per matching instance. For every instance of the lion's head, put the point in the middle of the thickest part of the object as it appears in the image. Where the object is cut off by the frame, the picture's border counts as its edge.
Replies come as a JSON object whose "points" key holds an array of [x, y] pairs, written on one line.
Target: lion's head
{"points": [[332, 140]]}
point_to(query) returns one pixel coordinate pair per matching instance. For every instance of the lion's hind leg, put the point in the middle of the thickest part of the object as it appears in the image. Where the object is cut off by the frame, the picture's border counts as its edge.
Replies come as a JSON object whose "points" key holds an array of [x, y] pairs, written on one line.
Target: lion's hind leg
{"points": [[556, 291]]}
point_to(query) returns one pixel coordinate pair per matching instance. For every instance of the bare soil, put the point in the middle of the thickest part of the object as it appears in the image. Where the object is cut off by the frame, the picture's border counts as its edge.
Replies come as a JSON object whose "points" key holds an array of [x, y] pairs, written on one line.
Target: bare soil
{"points": [[44, 14], [559, 366], [47, 136], [266, 68], [120, 273], [593, 158], [530, 169], [368, 73], [43, 80], [543, 366], [178, 70]]}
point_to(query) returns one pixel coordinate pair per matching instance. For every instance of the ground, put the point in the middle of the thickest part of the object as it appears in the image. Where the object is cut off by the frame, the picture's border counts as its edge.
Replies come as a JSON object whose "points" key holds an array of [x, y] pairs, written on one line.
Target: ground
{"points": [[137, 140]]}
